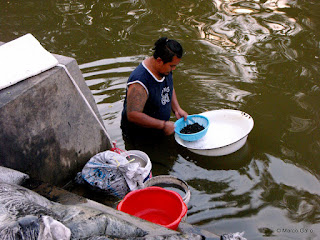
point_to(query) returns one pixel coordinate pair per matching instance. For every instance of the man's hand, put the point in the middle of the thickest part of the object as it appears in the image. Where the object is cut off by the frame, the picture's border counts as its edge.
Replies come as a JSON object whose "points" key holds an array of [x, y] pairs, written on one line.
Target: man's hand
{"points": [[181, 113], [168, 127]]}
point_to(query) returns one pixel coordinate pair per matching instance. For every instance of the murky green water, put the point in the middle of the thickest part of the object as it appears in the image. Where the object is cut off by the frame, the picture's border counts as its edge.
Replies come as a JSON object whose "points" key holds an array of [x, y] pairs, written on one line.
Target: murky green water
{"points": [[260, 57]]}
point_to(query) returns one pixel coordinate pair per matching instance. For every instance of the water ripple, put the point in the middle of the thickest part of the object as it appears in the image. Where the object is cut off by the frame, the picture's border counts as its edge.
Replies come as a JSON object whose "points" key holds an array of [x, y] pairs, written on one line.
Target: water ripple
{"points": [[300, 124]]}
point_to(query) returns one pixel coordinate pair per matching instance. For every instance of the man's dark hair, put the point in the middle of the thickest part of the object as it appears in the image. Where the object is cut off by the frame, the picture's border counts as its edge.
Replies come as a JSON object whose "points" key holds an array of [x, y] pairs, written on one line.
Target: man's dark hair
{"points": [[166, 49]]}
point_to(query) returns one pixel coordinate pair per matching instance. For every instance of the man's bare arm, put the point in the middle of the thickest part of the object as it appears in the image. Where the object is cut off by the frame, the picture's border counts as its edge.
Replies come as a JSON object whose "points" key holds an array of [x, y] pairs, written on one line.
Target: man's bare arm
{"points": [[136, 100]]}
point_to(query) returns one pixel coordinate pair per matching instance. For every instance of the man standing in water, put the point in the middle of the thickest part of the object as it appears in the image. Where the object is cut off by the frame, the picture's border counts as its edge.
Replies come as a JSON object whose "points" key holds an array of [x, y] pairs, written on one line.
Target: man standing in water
{"points": [[150, 95]]}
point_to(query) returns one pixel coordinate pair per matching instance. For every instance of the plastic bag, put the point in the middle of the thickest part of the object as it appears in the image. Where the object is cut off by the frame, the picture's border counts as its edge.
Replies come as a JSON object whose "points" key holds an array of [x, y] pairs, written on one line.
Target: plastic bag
{"points": [[102, 172], [113, 173], [233, 236], [9, 175]]}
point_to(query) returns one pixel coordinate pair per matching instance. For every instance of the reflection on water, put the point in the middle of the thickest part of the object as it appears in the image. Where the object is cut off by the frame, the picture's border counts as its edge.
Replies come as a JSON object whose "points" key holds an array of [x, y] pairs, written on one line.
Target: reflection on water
{"points": [[221, 196], [234, 161], [258, 56]]}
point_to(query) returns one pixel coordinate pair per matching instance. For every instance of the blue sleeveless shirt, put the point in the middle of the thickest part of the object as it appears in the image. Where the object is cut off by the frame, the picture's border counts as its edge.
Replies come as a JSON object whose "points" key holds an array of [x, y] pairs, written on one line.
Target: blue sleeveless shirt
{"points": [[159, 93]]}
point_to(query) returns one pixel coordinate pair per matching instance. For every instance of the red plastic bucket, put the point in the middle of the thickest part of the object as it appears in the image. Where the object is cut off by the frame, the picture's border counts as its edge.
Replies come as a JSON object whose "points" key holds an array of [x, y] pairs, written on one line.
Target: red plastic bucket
{"points": [[155, 204]]}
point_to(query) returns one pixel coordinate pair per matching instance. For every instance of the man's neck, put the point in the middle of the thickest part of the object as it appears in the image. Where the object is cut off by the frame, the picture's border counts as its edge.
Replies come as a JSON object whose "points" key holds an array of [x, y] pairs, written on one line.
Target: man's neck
{"points": [[150, 63]]}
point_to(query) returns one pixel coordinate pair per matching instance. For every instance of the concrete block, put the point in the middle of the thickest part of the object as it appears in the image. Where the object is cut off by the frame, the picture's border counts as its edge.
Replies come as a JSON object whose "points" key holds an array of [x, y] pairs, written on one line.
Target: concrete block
{"points": [[46, 128]]}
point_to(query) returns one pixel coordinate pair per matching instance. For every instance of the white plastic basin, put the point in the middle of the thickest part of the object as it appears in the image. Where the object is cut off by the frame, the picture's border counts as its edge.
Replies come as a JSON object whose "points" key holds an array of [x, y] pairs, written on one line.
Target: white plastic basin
{"points": [[227, 133]]}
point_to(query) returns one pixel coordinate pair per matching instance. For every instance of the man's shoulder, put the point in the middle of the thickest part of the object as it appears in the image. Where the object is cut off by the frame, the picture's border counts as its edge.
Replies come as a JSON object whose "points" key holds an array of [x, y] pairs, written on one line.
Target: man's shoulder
{"points": [[139, 69], [139, 73]]}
